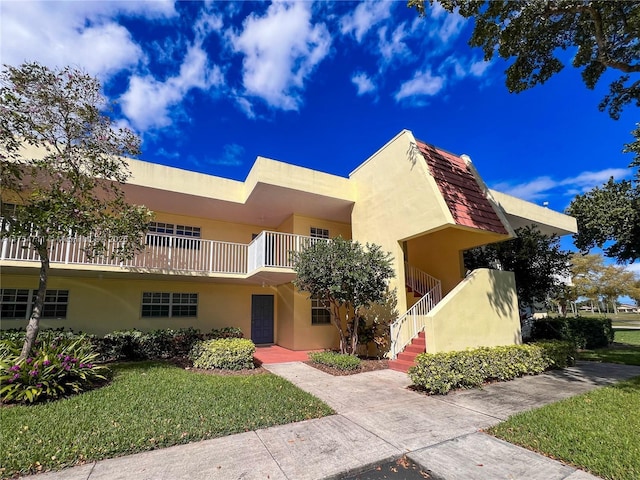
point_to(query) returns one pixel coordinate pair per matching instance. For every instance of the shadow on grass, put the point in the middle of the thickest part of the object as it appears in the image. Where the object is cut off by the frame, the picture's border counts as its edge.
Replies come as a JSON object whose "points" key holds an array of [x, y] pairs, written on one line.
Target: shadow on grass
{"points": [[627, 355]]}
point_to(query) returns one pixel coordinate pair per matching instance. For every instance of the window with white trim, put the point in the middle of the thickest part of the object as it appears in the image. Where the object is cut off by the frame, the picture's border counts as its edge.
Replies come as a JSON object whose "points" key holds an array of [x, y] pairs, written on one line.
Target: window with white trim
{"points": [[189, 235], [166, 304], [316, 232], [320, 313], [17, 303]]}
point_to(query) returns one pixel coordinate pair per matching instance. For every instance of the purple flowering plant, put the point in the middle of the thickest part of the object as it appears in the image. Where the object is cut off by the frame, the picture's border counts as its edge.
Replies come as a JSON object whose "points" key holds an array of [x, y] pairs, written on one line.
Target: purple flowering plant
{"points": [[56, 368]]}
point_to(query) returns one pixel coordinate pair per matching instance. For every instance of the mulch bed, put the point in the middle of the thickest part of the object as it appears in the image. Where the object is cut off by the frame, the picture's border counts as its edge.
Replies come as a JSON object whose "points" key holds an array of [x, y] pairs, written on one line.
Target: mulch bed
{"points": [[186, 364], [366, 365]]}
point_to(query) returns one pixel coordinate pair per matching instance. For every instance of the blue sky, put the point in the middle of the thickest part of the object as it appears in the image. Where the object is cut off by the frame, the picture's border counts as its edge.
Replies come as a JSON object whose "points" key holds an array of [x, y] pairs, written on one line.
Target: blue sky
{"points": [[210, 86]]}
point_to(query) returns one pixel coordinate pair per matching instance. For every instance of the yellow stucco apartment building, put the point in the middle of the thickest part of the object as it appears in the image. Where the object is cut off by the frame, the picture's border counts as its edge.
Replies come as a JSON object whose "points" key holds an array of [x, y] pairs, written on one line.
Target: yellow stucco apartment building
{"points": [[218, 252]]}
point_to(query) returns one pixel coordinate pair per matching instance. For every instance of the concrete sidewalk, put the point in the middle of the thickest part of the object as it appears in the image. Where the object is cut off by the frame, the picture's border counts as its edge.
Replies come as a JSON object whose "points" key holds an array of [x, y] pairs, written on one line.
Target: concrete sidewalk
{"points": [[377, 419]]}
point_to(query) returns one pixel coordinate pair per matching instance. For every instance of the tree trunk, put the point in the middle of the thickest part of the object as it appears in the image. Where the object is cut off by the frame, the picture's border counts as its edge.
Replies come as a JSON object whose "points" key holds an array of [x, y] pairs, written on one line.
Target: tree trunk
{"points": [[34, 320], [335, 317], [354, 335]]}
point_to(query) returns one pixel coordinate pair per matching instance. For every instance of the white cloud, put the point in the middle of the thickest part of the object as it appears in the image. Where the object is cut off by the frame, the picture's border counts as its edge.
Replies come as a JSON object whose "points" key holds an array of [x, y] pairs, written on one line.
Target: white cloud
{"points": [[365, 16], [540, 187], [634, 267], [479, 68], [395, 46], [148, 102], [531, 190], [246, 107], [587, 180], [363, 83], [450, 28], [231, 156], [281, 50], [82, 34], [422, 84]]}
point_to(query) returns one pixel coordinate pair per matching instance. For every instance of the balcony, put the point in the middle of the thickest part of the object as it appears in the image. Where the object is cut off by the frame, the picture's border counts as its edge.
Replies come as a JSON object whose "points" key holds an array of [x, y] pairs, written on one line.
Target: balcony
{"points": [[174, 254]]}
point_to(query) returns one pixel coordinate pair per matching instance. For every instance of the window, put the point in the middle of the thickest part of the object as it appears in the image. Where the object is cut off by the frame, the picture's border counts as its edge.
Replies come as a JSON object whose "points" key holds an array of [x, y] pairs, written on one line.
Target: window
{"points": [[55, 303], [320, 313], [17, 303], [186, 232], [319, 232], [159, 227], [164, 304]]}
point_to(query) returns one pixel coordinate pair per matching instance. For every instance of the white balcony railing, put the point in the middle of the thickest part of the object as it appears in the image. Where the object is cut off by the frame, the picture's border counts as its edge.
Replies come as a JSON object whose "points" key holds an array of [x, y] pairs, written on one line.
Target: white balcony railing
{"points": [[173, 253], [274, 249]]}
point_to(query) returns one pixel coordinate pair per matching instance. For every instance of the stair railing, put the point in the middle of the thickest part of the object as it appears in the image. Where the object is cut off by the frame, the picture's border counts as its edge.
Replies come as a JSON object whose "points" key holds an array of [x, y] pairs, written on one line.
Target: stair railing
{"points": [[419, 281], [409, 325]]}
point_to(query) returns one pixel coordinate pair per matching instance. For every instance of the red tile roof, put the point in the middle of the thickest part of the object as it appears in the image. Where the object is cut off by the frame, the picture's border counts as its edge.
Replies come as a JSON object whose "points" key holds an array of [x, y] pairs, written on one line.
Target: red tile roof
{"points": [[468, 204]]}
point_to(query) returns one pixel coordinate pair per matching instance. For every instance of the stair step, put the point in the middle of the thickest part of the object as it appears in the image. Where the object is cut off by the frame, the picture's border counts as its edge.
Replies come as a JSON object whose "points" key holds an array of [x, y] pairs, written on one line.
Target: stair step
{"points": [[409, 357], [415, 348], [400, 365]]}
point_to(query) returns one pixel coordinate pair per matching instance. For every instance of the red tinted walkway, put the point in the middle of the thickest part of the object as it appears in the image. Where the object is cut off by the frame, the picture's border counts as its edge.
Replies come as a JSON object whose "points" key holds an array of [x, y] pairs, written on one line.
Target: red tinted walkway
{"points": [[277, 354]]}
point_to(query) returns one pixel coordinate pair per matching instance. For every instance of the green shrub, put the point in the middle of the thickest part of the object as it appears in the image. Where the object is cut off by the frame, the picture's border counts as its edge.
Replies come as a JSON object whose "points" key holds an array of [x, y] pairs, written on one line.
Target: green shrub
{"points": [[586, 333], [340, 361], [441, 372], [57, 367], [157, 344], [226, 332], [121, 345], [46, 334], [226, 353]]}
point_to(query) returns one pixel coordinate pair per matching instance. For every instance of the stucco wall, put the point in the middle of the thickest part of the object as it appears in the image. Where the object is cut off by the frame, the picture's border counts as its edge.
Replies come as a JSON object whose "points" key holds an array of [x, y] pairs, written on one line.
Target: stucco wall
{"points": [[102, 305], [213, 229], [396, 199], [480, 311], [440, 253]]}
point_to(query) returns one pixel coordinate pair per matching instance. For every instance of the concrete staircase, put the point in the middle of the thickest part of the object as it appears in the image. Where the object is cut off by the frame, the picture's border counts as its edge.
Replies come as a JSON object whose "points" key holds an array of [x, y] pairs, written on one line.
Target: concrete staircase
{"points": [[407, 357]]}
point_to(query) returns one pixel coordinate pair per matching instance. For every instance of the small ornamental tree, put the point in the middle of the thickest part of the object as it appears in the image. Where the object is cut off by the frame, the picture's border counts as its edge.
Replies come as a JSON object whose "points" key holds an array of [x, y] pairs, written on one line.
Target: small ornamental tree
{"points": [[62, 166], [347, 277]]}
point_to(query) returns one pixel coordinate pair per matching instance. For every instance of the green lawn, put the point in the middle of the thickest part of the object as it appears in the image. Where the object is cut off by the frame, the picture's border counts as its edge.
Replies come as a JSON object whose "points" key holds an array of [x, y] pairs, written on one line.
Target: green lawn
{"points": [[147, 406], [598, 431], [626, 350]]}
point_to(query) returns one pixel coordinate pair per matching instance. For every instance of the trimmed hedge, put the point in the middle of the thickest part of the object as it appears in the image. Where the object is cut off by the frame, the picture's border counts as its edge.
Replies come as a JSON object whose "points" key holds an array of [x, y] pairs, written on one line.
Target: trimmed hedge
{"points": [[226, 353], [586, 333], [128, 345], [226, 332], [157, 344], [441, 372], [337, 360]]}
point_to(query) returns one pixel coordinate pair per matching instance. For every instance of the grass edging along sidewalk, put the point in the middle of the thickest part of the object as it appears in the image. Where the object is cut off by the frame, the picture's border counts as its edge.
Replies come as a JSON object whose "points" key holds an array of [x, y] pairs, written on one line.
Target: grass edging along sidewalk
{"points": [[148, 405], [596, 431], [625, 350]]}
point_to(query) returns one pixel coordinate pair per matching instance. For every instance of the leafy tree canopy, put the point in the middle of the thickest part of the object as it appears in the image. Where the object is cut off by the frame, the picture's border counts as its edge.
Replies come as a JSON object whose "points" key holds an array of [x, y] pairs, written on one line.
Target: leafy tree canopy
{"points": [[609, 218], [347, 277], [603, 36], [62, 165], [533, 33], [595, 280], [536, 260]]}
